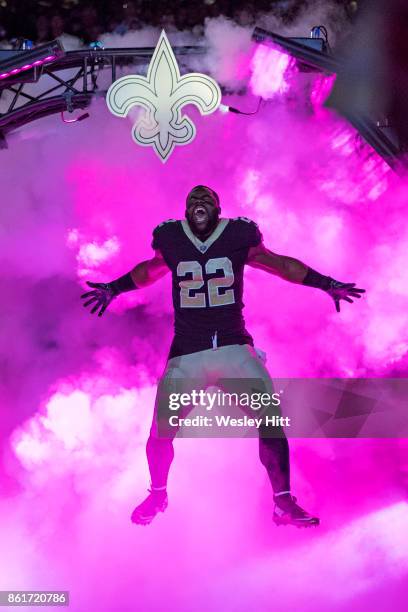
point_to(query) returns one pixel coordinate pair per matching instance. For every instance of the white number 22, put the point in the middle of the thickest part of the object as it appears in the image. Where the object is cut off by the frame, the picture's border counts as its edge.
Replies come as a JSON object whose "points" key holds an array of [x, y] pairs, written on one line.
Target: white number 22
{"points": [[215, 298]]}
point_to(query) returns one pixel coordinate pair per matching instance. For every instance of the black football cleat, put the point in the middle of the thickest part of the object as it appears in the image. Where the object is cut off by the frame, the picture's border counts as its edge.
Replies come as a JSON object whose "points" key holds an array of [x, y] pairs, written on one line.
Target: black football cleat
{"points": [[287, 512], [154, 503]]}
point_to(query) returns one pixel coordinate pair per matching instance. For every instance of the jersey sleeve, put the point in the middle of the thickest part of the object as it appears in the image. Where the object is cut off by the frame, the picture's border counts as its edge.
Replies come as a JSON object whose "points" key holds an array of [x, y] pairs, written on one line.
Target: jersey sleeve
{"points": [[156, 238], [162, 235], [249, 231], [255, 236]]}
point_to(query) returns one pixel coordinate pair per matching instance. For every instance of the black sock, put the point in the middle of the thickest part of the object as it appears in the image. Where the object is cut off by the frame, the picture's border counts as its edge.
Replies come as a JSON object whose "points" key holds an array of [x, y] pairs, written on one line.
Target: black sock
{"points": [[274, 455]]}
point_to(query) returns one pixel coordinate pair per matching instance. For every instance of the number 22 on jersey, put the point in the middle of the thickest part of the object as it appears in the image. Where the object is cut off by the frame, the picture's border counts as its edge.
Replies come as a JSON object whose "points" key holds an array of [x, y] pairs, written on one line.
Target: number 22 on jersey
{"points": [[199, 299]]}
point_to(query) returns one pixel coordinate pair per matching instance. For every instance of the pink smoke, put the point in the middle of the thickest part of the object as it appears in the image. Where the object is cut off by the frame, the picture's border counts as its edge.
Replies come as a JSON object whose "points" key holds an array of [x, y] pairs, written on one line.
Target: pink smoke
{"points": [[78, 391], [269, 68]]}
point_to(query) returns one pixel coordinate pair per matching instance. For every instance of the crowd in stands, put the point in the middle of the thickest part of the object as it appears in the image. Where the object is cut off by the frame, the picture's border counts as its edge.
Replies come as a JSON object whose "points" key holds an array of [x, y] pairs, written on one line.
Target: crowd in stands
{"points": [[41, 21]]}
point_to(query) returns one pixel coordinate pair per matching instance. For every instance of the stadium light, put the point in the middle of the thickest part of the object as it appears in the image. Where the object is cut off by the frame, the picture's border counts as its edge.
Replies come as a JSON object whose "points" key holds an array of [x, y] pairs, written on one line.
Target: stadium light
{"points": [[14, 62], [311, 52]]}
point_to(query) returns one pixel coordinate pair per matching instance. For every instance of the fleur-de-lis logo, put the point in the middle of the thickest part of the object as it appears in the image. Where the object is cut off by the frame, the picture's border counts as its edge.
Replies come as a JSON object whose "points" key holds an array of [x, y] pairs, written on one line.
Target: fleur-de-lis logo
{"points": [[163, 93]]}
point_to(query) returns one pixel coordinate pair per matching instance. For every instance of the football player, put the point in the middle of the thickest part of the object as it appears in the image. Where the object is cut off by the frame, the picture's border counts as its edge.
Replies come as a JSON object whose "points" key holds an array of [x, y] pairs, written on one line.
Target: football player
{"points": [[206, 255]]}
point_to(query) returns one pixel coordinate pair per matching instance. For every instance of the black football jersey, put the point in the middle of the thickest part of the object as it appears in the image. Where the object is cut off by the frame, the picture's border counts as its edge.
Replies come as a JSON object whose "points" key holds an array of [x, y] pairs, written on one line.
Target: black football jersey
{"points": [[207, 282]]}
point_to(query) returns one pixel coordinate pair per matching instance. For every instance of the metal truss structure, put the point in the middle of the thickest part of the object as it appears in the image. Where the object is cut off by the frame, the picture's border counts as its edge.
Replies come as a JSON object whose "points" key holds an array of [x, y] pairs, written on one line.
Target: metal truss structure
{"points": [[381, 138], [68, 94], [19, 106]]}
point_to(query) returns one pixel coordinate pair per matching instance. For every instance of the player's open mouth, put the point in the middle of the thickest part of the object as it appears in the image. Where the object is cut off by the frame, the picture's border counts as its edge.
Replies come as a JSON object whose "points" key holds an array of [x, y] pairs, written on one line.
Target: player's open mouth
{"points": [[200, 213]]}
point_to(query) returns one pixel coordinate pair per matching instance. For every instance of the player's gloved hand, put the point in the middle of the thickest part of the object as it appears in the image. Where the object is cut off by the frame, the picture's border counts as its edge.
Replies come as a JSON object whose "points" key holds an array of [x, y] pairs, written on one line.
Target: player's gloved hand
{"points": [[342, 291], [338, 291], [102, 295]]}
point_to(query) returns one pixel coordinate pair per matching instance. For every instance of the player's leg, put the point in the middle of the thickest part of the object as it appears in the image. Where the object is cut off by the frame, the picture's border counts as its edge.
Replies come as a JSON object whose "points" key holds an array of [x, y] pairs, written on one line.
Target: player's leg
{"points": [[239, 367], [159, 447], [243, 362], [274, 455], [177, 377], [160, 454]]}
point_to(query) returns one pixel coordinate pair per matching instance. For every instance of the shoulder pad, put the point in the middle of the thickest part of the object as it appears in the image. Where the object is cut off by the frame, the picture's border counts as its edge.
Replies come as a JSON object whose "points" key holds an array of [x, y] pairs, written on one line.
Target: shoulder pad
{"points": [[164, 223], [244, 219]]}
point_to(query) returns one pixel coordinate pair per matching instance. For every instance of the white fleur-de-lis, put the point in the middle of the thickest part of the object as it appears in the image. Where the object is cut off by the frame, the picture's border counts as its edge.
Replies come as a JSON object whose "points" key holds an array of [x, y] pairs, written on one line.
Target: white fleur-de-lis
{"points": [[163, 93]]}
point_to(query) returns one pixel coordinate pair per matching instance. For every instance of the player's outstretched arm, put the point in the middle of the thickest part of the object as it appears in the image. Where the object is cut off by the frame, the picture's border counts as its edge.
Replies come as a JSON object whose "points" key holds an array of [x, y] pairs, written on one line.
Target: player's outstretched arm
{"points": [[142, 275], [295, 271]]}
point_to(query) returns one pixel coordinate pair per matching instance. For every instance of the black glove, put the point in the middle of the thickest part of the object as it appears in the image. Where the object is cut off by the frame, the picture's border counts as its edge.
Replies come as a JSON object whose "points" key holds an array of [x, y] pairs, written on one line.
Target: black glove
{"points": [[342, 291], [104, 293], [338, 291]]}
